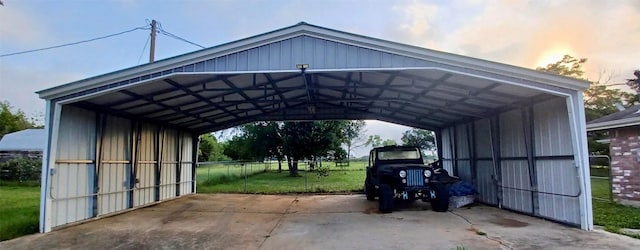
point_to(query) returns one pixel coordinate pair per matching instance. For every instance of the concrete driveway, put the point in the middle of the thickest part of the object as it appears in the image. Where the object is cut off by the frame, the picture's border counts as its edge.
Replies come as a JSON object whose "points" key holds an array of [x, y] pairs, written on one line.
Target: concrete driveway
{"points": [[236, 221]]}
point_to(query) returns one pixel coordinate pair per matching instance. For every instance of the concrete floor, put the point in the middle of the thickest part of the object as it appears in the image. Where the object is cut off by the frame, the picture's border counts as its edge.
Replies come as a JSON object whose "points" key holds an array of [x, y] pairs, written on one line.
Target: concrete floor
{"points": [[235, 221]]}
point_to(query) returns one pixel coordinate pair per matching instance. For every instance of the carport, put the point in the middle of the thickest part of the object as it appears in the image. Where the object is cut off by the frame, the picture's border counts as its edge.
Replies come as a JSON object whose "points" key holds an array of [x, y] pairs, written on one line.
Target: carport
{"points": [[128, 139]]}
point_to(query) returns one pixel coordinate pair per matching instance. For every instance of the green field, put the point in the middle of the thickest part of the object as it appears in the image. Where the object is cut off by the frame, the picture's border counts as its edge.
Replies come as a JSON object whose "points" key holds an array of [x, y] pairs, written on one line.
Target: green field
{"points": [[19, 210], [264, 179]]}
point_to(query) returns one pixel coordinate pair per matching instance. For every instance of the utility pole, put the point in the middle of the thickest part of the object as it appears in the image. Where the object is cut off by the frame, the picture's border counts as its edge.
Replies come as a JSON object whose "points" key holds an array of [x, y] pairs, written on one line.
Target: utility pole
{"points": [[152, 48]]}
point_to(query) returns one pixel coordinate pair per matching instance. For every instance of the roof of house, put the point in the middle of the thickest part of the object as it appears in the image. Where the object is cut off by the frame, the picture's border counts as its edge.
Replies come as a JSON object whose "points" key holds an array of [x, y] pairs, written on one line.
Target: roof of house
{"points": [[25, 140], [625, 118]]}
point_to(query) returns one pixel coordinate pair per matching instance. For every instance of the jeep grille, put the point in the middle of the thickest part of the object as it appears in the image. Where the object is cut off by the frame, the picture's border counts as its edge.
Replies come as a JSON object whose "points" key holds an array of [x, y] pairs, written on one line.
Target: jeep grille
{"points": [[414, 177]]}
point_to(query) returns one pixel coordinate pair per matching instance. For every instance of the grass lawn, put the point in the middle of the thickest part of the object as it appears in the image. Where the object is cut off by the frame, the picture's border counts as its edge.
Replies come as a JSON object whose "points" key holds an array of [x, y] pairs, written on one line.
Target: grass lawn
{"points": [[19, 210], [610, 215], [600, 189], [272, 182]]}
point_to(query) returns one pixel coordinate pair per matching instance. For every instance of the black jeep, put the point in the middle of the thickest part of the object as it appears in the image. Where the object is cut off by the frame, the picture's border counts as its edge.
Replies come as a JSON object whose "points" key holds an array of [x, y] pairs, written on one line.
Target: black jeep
{"points": [[398, 172]]}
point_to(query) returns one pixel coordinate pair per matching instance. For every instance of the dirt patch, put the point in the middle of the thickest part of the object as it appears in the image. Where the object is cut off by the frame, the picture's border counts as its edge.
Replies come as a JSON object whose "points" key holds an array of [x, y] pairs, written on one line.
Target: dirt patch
{"points": [[371, 210], [508, 222]]}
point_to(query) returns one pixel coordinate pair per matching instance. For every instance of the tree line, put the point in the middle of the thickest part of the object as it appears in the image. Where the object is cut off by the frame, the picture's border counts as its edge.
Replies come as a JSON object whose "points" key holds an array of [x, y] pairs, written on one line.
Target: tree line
{"points": [[291, 142]]}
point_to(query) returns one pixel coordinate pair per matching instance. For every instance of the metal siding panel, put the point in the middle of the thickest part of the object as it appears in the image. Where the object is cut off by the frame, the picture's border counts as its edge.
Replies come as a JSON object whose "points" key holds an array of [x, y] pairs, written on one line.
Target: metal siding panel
{"points": [[232, 62], [558, 177], [113, 177], [330, 54], [341, 55], [551, 126], [264, 57], [285, 57], [73, 183], [512, 143], [462, 142], [464, 170], [484, 183], [253, 59], [318, 56], [483, 138], [447, 155], [168, 170], [187, 172], [318, 53], [275, 56], [307, 51], [296, 50], [243, 61], [144, 189], [515, 175], [352, 57]]}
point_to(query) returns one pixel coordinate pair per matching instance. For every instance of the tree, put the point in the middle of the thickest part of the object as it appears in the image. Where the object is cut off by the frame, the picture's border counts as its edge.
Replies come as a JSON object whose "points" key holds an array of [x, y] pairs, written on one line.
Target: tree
{"points": [[352, 133], [374, 141], [634, 84], [419, 137], [12, 121], [389, 142], [600, 100], [210, 149], [311, 140], [266, 141], [567, 66], [237, 148]]}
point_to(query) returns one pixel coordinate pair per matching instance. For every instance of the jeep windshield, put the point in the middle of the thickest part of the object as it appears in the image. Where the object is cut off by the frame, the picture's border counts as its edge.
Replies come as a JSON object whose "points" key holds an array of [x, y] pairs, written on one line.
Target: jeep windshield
{"points": [[399, 154]]}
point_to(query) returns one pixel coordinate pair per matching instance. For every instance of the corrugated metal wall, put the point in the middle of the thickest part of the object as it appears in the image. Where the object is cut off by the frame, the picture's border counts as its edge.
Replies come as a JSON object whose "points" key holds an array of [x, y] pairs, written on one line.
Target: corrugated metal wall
{"points": [[535, 171], [485, 173], [145, 170], [73, 181], [106, 164], [557, 174], [447, 150], [513, 163], [463, 153]]}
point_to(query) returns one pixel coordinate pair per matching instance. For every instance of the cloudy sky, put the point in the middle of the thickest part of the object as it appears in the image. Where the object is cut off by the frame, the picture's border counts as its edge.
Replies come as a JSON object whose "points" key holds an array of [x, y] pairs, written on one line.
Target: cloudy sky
{"points": [[517, 32]]}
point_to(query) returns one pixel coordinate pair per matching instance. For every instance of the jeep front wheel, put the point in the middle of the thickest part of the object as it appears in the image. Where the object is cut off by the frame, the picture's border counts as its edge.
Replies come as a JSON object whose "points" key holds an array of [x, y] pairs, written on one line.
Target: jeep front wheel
{"points": [[369, 189], [441, 202], [385, 199]]}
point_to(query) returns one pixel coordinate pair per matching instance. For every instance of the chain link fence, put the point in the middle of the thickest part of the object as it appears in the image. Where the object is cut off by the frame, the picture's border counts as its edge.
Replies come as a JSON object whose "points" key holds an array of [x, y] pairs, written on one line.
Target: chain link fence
{"points": [[600, 166], [264, 177]]}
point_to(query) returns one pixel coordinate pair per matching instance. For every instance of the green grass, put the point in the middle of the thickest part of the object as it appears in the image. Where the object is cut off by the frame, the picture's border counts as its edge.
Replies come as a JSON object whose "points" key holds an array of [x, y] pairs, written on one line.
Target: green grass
{"points": [[613, 216], [600, 171], [272, 182], [222, 173], [600, 189], [19, 209]]}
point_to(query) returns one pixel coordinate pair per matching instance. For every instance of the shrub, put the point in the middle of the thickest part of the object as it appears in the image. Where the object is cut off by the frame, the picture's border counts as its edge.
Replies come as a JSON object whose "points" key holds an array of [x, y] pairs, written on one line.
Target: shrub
{"points": [[21, 169]]}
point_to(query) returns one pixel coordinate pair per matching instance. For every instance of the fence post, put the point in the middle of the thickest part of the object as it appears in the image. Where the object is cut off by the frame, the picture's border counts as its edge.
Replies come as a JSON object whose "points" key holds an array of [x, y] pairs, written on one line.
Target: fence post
{"points": [[245, 177]]}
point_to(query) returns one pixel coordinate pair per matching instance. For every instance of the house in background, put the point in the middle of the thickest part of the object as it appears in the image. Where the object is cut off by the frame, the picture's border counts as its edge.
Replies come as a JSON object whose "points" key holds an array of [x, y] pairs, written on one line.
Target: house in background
{"points": [[624, 141], [27, 143]]}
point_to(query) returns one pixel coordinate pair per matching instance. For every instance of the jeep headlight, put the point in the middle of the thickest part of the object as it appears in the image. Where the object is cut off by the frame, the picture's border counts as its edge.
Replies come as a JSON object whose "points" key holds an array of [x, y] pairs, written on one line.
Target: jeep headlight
{"points": [[427, 173], [402, 173]]}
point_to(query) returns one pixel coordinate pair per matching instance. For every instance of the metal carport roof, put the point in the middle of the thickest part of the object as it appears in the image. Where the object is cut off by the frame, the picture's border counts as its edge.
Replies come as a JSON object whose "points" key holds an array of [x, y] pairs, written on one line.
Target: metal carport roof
{"points": [[349, 77]]}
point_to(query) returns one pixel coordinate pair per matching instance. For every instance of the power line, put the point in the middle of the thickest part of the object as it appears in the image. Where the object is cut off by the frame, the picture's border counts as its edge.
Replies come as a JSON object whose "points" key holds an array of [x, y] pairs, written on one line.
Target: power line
{"points": [[74, 43], [143, 49], [166, 33]]}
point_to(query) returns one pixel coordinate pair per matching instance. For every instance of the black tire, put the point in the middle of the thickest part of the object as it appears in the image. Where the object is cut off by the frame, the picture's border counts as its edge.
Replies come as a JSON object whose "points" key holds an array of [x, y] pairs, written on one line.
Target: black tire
{"points": [[441, 202], [385, 199], [369, 190]]}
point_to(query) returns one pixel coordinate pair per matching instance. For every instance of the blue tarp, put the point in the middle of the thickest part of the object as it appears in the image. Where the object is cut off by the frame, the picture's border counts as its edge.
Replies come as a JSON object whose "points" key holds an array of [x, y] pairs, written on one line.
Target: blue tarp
{"points": [[461, 188]]}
